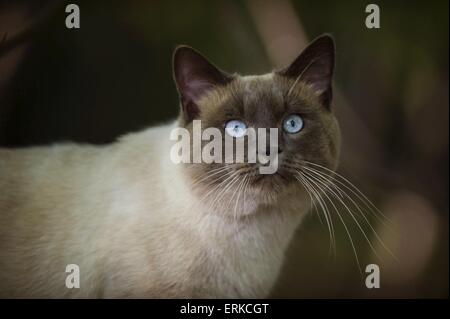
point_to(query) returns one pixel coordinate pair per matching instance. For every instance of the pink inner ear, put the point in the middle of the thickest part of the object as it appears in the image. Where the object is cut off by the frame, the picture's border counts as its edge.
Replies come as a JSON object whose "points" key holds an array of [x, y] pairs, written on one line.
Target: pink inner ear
{"points": [[196, 88], [318, 76], [195, 76], [315, 67]]}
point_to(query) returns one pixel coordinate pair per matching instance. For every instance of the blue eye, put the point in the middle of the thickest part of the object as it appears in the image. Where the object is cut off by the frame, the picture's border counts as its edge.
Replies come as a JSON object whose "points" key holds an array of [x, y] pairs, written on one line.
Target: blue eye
{"points": [[293, 124], [236, 128]]}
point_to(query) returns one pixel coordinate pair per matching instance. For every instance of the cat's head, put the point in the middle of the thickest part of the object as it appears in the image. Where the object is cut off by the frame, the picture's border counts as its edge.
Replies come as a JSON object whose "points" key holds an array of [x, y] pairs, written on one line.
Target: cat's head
{"points": [[296, 101]]}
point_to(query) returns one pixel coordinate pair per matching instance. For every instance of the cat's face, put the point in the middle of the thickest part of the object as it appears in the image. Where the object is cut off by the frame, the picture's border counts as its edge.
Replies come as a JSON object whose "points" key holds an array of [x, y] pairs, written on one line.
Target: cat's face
{"points": [[295, 100]]}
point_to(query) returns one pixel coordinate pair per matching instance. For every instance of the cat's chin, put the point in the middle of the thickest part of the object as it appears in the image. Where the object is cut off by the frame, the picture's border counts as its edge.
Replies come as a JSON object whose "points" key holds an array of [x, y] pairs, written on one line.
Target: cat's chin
{"points": [[254, 199], [270, 187], [259, 198], [268, 190]]}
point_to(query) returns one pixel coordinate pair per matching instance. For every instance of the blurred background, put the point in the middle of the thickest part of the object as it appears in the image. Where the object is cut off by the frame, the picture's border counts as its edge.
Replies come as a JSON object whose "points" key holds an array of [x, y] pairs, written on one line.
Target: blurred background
{"points": [[113, 75]]}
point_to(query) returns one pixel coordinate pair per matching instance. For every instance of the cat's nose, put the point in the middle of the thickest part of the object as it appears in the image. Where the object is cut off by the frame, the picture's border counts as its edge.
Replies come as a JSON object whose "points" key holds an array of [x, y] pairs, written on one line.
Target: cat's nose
{"points": [[273, 148]]}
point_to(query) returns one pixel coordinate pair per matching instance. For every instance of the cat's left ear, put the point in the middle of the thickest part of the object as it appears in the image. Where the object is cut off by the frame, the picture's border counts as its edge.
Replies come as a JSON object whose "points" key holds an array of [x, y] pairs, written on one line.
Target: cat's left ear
{"points": [[315, 66], [195, 76]]}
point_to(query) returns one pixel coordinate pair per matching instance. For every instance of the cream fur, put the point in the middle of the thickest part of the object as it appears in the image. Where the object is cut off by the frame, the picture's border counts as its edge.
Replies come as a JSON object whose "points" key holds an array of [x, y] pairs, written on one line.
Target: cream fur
{"points": [[128, 217]]}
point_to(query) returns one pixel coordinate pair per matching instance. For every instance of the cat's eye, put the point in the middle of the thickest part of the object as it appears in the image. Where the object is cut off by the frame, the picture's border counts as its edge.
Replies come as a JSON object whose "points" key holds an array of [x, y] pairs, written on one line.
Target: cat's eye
{"points": [[236, 128], [293, 124]]}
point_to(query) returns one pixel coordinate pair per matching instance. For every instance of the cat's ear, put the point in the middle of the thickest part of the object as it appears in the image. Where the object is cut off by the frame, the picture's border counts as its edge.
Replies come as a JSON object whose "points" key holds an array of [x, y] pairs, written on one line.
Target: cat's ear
{"points": [[194, 76], [315, 66]]}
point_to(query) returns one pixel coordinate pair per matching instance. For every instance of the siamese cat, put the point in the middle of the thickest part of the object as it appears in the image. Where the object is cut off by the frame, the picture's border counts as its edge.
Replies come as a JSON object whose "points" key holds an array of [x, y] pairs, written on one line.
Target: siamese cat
{"points": [[139, 225]]}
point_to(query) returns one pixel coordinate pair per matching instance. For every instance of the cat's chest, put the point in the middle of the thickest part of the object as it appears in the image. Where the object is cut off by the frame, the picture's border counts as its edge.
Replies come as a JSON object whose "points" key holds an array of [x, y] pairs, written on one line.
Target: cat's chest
{"points": [[244, 264], [249, 275]]}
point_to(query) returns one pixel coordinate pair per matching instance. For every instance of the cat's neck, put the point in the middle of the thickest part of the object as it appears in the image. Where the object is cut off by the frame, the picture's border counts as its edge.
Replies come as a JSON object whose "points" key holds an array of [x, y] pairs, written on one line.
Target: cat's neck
{"points": [[259, 228]]}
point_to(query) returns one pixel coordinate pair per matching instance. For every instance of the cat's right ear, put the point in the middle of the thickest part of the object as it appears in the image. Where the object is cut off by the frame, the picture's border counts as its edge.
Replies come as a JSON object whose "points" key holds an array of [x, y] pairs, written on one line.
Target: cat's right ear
{"points": [[315, 66], [194, 76]]}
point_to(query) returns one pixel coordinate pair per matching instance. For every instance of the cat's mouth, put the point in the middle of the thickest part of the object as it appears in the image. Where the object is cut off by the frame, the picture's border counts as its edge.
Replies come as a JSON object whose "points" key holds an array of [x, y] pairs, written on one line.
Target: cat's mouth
{"points": [[268, 177], [277, 180], [268, 188]]}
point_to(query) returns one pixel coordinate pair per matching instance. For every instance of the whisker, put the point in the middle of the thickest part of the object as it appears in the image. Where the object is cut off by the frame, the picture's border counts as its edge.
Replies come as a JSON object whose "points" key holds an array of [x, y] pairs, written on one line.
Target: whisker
{"points": [[325, 211], [226, 188], [320, 175], [351, 214], [241, 185], [208, 174], [214, 189], [360, 195], [343, 223], [313, 202]]}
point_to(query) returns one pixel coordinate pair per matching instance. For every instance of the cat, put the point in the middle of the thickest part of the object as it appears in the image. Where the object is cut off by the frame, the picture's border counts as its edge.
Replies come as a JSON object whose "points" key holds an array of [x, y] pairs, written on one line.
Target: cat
{"points": [[140, 226]]}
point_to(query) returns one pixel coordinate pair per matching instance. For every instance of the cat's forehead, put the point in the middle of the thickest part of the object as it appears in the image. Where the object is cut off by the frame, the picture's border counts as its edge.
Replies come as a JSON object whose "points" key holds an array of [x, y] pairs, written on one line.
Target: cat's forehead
{"points": [[255, 88], [261, 97]]}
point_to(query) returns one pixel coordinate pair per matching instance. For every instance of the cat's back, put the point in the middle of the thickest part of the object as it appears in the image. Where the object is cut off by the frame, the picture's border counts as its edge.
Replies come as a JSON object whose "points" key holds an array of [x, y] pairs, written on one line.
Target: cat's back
{"points": [[40, 171], [59, 173]]}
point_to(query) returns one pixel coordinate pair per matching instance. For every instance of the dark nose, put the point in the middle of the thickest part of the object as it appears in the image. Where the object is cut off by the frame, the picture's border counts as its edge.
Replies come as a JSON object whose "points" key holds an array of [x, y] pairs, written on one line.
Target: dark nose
{"points": [[268, 150]]}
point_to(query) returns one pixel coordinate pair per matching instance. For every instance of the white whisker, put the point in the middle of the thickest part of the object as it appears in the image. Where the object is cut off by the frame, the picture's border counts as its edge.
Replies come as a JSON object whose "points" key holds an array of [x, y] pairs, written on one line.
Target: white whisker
{"points": [[321, 175], [360, 195], [341, 219], [348, 210], [325, 211]]}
